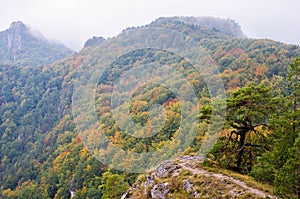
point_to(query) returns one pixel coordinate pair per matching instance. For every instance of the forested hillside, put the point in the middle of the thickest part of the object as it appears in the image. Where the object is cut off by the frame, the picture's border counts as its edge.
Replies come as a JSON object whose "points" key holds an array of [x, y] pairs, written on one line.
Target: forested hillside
{"points": [[22, 45], [43, 156]]}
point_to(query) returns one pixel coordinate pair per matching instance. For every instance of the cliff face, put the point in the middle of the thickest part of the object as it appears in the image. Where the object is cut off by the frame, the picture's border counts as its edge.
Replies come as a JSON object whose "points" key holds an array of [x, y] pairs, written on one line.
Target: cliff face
{"points": [[20, 44], [15, 34]]}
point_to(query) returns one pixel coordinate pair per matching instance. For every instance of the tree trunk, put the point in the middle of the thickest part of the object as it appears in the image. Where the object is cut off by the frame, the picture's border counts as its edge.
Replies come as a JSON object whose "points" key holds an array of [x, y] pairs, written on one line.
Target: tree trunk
{"points": [[241, 148]]}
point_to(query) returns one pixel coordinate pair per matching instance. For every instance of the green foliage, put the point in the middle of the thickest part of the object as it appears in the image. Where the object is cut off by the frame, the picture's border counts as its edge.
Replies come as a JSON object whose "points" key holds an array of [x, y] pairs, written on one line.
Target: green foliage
{"points": [[286, 177], [41, 154], [280, 165], [114, 185], [245, 136], [30, 107]]}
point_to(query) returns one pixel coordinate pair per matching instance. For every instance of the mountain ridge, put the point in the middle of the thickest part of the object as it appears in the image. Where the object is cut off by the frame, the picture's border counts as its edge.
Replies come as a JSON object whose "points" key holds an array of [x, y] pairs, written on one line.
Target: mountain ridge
{"points": [[226, 26], [20, 44], [42, 155]]}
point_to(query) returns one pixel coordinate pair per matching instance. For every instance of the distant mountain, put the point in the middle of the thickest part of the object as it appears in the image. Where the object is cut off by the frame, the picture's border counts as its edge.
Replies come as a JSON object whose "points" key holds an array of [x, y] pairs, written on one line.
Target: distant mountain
{"points": [[225, 26], [94, 41], [20, 44]]}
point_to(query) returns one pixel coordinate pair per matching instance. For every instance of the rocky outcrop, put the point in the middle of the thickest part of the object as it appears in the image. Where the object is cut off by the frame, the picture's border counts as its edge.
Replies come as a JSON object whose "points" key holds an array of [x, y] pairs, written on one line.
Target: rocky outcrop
{"points": [[185, 178], [188, 186], [15, 35], [149, 183], [165, 169], [127, 194], [160, 190]]}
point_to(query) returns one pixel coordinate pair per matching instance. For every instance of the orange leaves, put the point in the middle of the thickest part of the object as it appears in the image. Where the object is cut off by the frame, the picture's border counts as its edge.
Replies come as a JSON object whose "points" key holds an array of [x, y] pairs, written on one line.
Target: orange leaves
{"points": [[260, 71], [47, 140], [77, 140], [78, 62], [233, 84], [116, 138]]}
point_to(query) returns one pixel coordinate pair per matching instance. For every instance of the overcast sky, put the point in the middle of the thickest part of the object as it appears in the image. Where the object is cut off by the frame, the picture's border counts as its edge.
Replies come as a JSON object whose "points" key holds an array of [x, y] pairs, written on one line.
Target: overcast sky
{"points": [[72, 22]]}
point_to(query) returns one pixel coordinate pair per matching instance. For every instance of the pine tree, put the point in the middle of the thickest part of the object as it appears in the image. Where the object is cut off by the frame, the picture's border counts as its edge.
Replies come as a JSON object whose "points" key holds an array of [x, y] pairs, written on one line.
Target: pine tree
{"points": [[281, 166], [248, 109]]}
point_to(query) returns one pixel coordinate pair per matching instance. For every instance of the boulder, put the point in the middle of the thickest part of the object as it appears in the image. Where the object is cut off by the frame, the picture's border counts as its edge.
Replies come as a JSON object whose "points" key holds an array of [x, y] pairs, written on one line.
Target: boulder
{"points": [[160, 190], [165, 168], [149, 182]]}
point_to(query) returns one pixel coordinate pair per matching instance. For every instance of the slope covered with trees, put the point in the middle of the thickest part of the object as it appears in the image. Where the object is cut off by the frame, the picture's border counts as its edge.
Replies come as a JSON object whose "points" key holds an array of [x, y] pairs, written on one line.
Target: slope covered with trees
{"points": [[42, 156]]}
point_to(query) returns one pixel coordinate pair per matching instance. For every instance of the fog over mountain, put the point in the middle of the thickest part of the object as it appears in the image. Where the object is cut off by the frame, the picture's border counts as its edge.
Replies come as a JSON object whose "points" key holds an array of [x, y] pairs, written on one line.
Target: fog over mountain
{"points": [[60, 138], [74, 21], [26, 46]]}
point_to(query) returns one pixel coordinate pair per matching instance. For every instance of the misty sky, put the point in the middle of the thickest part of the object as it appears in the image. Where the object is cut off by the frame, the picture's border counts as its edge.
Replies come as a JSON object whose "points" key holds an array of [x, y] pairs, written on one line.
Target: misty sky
{"points": [[72, 22]]}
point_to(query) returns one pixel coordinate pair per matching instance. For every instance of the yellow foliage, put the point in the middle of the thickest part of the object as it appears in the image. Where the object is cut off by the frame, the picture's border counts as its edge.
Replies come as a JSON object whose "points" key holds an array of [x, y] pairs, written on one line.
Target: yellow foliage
{"points": [[88, 168], [84, 153], [9, 193]]}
